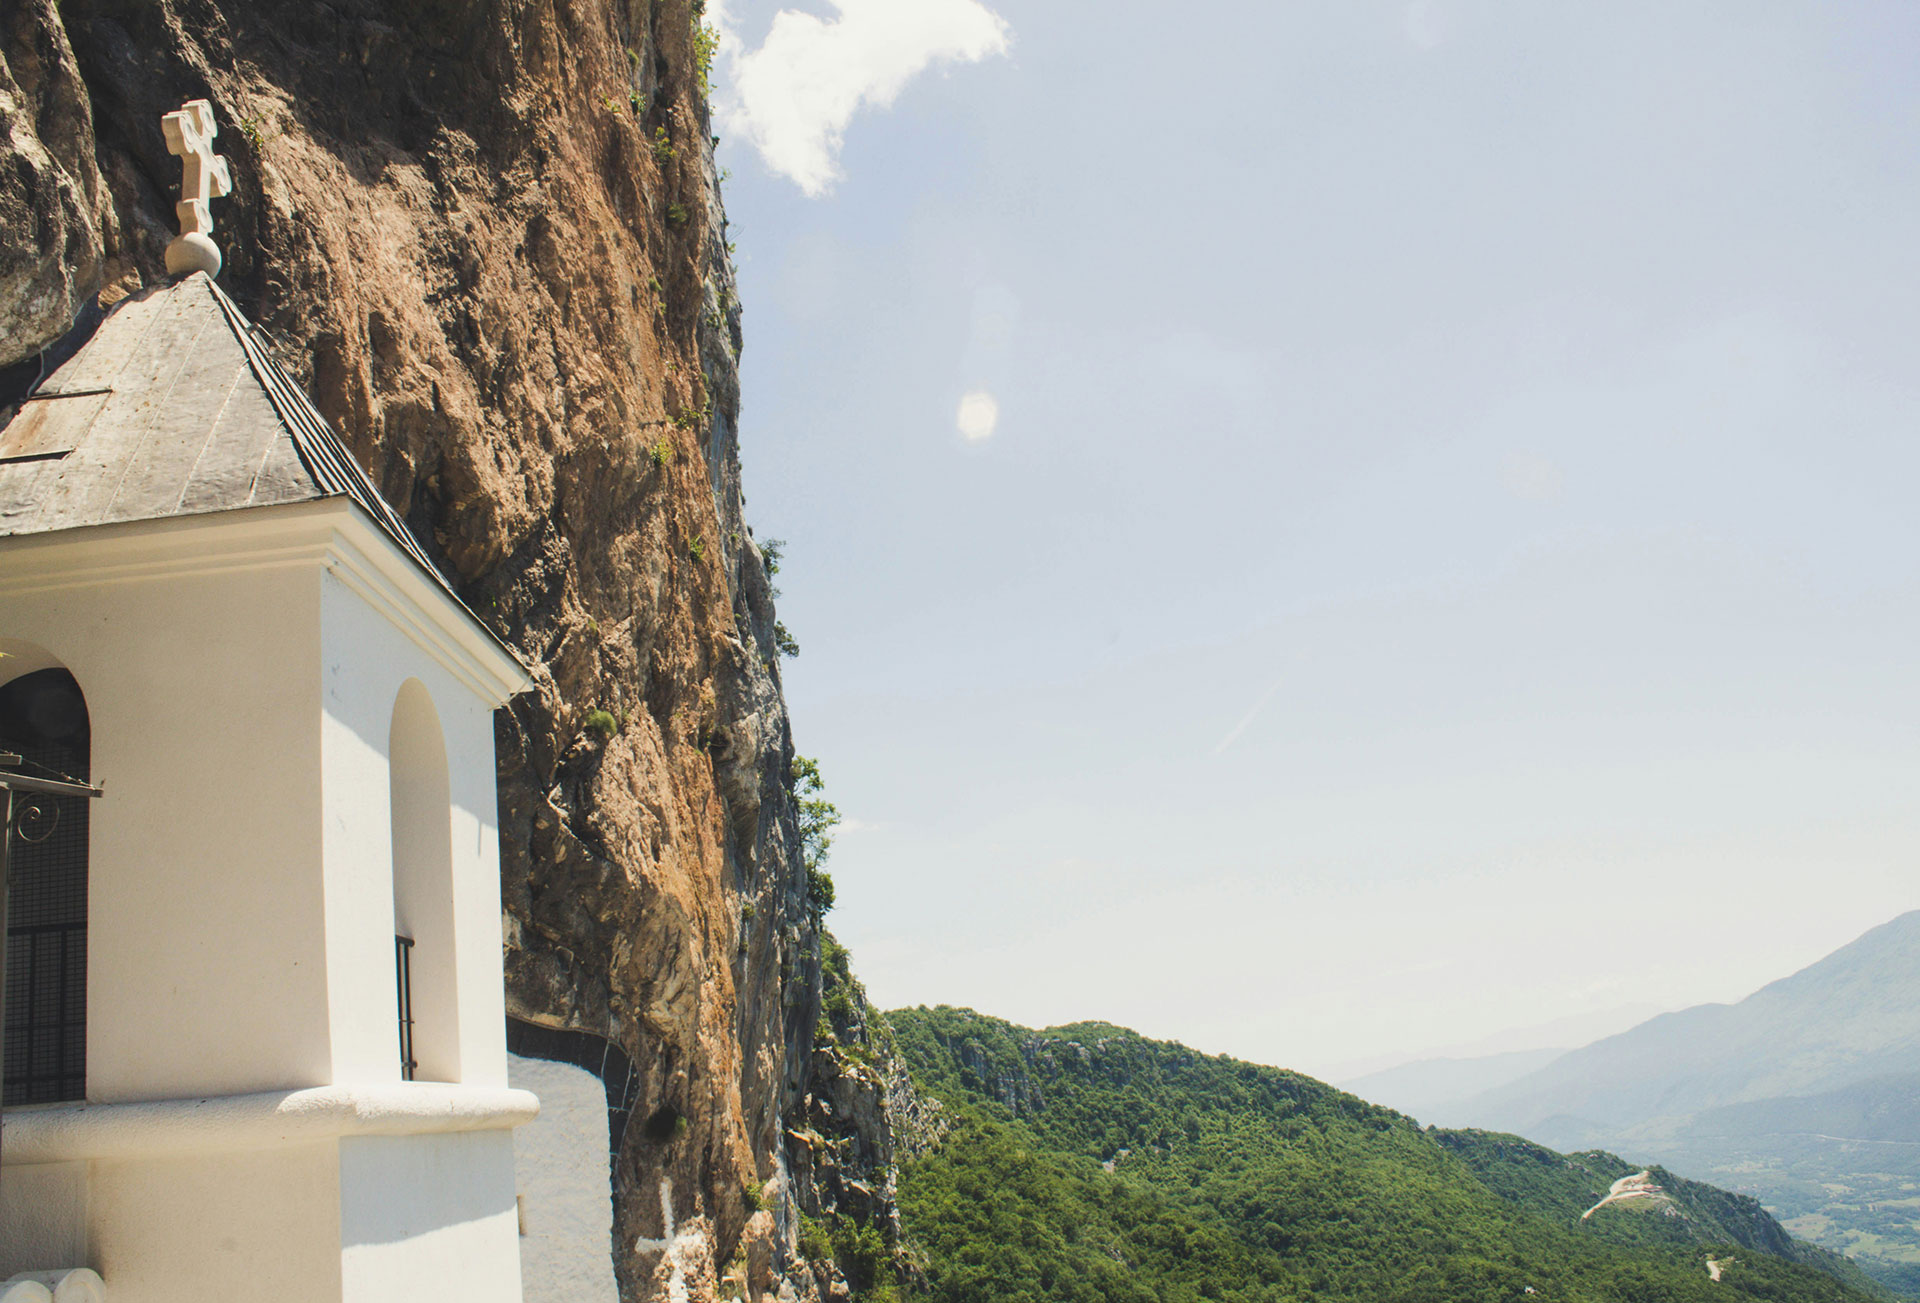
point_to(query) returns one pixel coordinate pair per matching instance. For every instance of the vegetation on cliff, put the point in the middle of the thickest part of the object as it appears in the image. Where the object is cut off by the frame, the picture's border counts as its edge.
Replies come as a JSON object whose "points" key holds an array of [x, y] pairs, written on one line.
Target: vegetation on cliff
{"points": [[861, 1115], [1089, 1162]]}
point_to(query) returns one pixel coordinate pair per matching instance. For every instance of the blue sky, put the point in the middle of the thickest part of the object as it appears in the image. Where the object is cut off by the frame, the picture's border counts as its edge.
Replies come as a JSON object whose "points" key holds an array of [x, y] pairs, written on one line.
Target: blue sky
{"points": [[1432, 552]]}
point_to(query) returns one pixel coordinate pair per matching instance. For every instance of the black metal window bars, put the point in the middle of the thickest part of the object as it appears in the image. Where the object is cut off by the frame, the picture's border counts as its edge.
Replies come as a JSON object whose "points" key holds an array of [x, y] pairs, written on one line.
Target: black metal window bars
{"points": [[46, 1032], [43, 1018], [403, 976]]}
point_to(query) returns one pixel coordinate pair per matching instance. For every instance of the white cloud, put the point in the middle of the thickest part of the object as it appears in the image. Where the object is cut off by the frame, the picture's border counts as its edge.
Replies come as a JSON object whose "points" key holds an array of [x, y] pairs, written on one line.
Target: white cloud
{"points": [[793, 97], [977, 416]]}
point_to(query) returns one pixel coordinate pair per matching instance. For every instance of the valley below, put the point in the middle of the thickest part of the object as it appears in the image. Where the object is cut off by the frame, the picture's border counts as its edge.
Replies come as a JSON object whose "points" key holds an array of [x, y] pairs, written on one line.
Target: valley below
{"points": [[1805, 1096]]}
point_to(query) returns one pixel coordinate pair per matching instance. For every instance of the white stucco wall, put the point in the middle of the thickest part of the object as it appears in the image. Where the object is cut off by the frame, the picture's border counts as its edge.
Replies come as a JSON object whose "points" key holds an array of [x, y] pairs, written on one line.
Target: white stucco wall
{"points": [[43, 1217], [241, 912], [367, 659], [262, 1225], [206, 967], [428, 1217], [240, 674], [560, 1168]]}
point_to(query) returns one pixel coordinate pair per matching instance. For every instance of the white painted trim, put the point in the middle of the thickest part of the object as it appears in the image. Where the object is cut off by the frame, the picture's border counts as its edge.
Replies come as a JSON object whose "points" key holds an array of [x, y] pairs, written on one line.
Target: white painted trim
{"points": [[259, 539], [334, 532], [387, 579], [275, 1119]]}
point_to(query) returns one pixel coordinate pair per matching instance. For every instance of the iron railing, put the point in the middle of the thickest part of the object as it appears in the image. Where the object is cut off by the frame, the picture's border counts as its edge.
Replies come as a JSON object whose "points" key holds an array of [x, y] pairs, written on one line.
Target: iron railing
{"points": [[46, 1025], [403, 975]]}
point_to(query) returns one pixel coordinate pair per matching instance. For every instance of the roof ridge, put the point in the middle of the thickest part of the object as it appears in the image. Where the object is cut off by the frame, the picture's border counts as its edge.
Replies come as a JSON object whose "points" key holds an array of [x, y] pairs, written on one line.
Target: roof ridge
{"points": [[320, 448]]}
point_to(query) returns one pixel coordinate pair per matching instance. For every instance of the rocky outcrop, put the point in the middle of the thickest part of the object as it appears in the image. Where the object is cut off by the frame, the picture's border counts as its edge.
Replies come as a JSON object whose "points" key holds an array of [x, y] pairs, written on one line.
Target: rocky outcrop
{"points": [[859, 1117], [488, 236], [58, 233]]}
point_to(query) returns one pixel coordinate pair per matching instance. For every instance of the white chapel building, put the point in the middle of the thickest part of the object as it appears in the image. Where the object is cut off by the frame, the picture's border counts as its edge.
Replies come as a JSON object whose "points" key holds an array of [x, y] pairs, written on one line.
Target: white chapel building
{"points": [[257, 1049], [255, 1042]]}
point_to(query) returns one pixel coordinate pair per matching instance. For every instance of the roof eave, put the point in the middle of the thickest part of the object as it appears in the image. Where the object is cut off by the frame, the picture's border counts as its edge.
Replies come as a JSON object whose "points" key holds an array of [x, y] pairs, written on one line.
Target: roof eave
{"points": [[368, 559]]}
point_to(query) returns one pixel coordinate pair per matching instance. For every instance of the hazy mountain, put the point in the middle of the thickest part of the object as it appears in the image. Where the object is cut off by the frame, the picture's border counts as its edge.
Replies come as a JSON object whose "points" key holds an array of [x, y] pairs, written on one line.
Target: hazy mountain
{"points": [[1883, 1110], [1806, 1095], [1852, 1016], [1435, 1090], [1841, 1168]]}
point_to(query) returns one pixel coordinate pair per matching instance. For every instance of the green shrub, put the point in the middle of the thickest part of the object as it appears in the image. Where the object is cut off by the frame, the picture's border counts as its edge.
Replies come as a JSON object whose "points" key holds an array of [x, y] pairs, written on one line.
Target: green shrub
{"points": [[814, 1243], [602, 724], [706, 44], [862, 1256], [819, 891]]}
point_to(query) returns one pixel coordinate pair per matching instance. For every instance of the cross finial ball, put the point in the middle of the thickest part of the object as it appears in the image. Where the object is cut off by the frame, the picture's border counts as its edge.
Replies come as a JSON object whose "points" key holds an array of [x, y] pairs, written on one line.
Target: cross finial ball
{"points": [[190, 130]]}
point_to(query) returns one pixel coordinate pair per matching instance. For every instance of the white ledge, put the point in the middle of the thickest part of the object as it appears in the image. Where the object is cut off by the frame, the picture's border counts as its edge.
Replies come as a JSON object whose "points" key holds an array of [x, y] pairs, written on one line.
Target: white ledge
{"points": [[72, 1285], [65, 1133]]}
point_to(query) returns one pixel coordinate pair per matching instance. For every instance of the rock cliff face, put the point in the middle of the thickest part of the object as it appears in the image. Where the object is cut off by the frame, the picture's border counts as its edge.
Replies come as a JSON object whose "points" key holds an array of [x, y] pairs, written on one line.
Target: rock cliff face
{"points": [[488, 235], [860, 1116]]}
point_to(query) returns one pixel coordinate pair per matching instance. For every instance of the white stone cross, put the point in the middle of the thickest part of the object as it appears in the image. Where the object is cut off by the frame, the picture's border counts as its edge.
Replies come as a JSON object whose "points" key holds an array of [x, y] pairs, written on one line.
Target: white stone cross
{"points": [[204, 177]]}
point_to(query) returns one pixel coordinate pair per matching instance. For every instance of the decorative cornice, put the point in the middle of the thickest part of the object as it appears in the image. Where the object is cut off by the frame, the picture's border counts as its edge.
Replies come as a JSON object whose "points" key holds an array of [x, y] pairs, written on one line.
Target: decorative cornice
{"points": [[258, 538], [332, 532], [64, 1133]]}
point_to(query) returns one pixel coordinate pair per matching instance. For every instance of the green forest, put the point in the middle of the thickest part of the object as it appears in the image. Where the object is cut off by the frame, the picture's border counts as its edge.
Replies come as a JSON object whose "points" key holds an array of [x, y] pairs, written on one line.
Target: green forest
{"points": [[1088, 1163]]}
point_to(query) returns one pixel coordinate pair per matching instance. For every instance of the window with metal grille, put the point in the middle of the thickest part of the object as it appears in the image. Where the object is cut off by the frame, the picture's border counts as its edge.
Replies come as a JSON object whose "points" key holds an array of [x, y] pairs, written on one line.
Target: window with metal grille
{"points": [[43, 718], [403, 971]]}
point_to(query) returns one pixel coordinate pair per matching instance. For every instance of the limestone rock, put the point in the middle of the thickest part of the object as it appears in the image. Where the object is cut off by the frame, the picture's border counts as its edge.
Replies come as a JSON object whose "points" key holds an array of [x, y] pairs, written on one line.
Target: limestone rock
{"points": [[57, 227]]}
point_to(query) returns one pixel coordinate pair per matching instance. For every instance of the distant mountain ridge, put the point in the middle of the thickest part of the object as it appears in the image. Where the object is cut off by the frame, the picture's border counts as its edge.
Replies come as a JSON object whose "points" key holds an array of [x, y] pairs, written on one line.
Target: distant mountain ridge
{"points": [[1850, 1017], [1806, 1094], [1434, 1090], [1882, 1110]]}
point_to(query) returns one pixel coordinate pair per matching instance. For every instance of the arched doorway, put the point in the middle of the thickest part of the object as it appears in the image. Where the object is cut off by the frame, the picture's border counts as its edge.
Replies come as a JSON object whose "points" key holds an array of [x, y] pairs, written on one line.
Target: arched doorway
{"points": [[43, 719]]}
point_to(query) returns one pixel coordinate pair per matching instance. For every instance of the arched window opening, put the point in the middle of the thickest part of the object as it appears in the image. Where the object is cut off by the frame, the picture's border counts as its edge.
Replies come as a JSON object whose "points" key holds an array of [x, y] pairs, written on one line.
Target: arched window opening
{"points": [[424, 970], [43, 719]]}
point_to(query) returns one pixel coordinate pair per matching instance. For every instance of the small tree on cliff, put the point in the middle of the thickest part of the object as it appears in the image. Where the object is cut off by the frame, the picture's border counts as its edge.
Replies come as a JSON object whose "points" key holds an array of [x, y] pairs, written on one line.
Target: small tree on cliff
{"points": [[817, 819]]}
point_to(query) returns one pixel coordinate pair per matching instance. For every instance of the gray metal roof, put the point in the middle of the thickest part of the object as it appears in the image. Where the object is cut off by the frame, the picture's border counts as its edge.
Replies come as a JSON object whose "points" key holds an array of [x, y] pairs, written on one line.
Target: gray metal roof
{"points": [[176, 407]]}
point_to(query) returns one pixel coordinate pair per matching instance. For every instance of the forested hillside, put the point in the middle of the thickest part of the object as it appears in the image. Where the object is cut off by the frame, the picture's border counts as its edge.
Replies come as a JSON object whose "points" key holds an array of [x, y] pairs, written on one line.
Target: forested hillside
{"points": [[1088, 1162]]}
